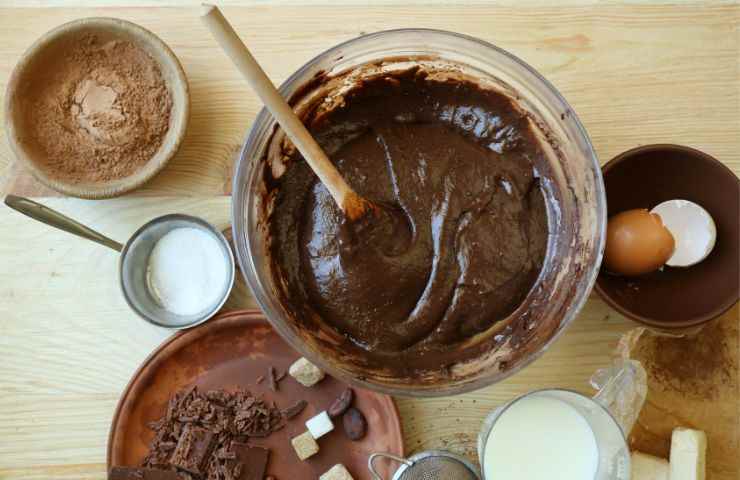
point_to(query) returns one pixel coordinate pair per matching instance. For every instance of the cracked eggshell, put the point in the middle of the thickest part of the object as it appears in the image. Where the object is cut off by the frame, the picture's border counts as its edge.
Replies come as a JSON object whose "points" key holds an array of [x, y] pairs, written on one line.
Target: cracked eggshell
{"points": [[692, 228]]}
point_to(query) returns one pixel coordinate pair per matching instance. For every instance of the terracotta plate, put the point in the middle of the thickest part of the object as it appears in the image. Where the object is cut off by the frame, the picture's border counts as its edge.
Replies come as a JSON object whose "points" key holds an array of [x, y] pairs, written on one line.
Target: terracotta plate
{"points": [[233, 350]]}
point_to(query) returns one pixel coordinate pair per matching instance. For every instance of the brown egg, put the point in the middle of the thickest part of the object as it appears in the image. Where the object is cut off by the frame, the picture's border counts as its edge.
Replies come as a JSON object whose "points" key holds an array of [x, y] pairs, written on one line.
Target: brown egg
{"points": [[637, 242]]}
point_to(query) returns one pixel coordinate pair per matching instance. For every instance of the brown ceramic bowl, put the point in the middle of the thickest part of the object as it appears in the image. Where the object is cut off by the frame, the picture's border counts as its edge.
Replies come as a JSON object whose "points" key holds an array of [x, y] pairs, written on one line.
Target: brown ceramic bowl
{"points": [[675, 298], [35, 62]]}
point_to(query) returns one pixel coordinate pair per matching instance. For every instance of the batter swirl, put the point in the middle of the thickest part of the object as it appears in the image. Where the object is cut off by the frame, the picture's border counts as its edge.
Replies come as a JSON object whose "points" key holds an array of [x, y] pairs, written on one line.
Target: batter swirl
{"points": [[459, 163]]}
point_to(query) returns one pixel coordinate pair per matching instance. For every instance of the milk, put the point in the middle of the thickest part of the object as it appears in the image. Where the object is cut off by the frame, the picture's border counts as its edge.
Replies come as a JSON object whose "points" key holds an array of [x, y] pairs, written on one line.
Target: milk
{"points": [[540, 438]]}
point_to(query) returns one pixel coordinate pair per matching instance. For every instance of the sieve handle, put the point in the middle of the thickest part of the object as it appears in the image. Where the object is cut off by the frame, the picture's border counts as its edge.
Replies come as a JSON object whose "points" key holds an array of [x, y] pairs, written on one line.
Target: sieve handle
{"points": [[375, 456]]}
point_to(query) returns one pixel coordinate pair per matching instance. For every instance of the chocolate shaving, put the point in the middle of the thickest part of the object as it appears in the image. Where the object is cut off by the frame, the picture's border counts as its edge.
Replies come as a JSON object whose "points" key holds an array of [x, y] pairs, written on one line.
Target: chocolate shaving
{"points": [[271, 378], [295, 409], [193, 450], [134, 473]]}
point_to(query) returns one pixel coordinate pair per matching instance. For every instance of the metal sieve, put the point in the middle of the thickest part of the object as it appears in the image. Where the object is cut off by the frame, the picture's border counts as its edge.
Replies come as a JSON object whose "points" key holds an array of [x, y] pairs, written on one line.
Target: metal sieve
{"points": [[429, 465]]}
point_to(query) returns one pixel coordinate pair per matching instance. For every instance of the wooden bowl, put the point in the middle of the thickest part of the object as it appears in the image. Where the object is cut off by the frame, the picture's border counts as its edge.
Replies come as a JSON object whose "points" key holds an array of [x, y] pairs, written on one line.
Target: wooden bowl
{"points": [[50, 46], [676, 298]]}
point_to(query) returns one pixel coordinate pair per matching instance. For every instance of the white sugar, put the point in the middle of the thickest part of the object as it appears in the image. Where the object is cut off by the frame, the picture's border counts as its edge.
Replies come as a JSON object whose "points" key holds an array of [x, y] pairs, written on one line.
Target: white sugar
{"points": [[319, 425], [187, 271]]}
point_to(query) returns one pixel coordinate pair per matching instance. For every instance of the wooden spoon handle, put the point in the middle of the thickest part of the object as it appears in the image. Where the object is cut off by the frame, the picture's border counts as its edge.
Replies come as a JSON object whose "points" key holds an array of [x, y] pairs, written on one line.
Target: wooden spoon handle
{"points": [[230, 42]]}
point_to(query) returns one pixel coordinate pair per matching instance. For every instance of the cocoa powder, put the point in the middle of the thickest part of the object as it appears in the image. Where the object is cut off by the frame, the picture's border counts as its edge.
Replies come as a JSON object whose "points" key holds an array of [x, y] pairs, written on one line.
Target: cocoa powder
{"points": [[98, 113], [696, 365]]}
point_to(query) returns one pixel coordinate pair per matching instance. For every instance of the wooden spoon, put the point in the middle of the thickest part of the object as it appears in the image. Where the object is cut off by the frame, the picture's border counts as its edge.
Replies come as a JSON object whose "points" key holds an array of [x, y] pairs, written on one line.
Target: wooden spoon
{"points": [[352, 205]]}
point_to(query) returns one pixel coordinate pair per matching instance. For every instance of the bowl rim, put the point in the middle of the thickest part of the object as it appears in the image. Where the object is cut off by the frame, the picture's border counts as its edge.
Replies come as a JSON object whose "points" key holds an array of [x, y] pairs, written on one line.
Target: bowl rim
{"points": [[245, 257], [101, 189], [493, 417], [716, 312], [196, 222]]}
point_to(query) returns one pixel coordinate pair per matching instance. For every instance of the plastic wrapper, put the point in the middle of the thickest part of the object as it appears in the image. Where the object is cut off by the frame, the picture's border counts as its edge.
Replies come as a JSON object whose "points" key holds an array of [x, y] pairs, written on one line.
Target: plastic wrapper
{"points": [[622, 389]]}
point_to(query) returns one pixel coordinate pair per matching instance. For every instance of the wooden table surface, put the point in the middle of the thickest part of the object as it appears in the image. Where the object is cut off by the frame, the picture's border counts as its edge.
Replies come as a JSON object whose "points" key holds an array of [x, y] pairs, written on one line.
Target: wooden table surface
{"points": [[635, 74]]}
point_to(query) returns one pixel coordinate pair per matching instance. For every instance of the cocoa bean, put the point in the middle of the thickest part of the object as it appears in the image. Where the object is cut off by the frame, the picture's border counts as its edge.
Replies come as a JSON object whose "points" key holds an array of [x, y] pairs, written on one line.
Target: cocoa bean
{"points": [[355, 424], [341, 404]]}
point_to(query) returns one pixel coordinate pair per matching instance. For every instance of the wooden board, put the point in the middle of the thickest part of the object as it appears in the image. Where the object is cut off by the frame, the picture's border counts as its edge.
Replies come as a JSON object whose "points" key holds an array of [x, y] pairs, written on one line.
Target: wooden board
{"points": [[635, 74], [693, 383]]}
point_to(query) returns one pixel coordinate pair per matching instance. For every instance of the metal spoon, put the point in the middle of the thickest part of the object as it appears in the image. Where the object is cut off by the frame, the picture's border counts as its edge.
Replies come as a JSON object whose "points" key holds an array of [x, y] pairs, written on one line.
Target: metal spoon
{"points": [[135, 257], [55, 219]]}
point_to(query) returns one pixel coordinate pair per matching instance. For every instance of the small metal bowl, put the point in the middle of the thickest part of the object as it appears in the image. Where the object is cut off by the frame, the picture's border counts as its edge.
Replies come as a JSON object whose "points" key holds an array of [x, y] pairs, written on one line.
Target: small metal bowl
{"points": [[133, 272]]}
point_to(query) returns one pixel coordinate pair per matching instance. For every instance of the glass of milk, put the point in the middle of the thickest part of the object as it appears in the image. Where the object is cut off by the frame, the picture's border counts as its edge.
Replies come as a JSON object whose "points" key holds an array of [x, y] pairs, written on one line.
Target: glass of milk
{"points": [[553, 435]]}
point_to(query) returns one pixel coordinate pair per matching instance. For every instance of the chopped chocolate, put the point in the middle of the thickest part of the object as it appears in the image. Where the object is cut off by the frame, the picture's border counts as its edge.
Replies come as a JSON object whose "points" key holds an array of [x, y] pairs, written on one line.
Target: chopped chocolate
{"points": [[193, 450], [281, 375], [251, 462], [136, 473], [342, 403], [295, 409], [255, 418], [271, 379], [219, 397], [197, 432]]}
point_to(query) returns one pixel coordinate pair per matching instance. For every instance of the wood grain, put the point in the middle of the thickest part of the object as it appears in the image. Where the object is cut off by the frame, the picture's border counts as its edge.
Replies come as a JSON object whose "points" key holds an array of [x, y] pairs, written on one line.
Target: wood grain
{"points": [[704, 396], [635, 74], [69, 344]]}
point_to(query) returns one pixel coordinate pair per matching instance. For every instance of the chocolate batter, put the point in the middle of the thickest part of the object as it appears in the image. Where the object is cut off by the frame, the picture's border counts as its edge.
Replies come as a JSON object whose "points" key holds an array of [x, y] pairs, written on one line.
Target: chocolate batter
{"points": [[458, 165]]}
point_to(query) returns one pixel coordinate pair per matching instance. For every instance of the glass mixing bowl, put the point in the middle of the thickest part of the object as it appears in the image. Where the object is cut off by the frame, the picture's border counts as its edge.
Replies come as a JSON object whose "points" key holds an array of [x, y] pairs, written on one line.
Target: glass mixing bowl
{"points": [[577, 220]]}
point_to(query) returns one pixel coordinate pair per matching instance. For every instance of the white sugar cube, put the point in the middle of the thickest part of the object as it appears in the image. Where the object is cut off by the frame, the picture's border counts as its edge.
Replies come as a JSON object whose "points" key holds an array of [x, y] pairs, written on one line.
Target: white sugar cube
{"points": [[320, 425], [337, 472], [305, 446], [306, 373]]}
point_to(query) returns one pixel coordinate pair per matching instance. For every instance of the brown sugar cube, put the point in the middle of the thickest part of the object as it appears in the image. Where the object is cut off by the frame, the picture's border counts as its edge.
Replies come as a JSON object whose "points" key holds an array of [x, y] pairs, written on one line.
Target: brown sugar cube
{"points": [[305, 446], [337, 472], [193, 450], [306, 373]]}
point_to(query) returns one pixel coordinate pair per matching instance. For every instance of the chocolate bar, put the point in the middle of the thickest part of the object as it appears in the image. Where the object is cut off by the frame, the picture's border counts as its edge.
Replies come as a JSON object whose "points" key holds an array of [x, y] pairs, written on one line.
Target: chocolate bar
{"points": [[136, 473], [193, 450], [250, 463]]}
